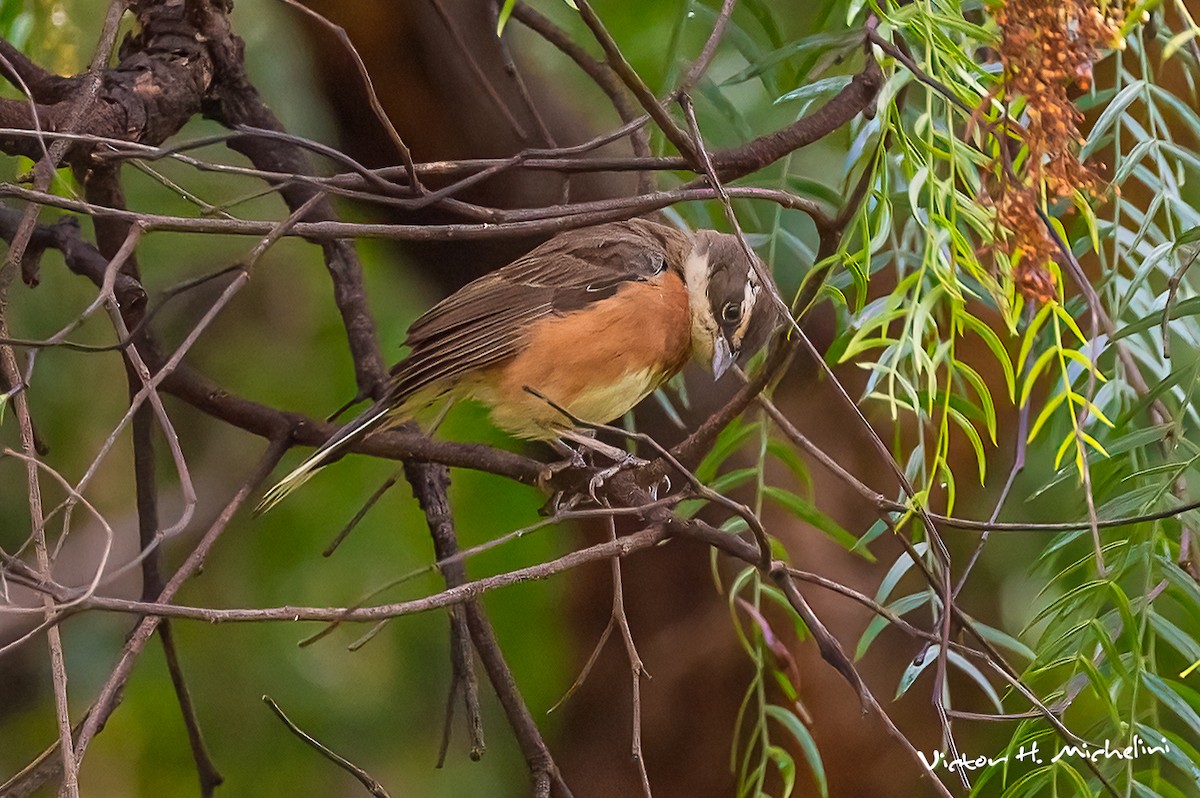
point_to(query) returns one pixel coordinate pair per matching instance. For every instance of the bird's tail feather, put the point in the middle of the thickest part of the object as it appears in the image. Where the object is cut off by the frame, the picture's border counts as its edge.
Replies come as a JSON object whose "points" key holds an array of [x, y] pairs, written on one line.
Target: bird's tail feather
{"points": [[325, 453]]}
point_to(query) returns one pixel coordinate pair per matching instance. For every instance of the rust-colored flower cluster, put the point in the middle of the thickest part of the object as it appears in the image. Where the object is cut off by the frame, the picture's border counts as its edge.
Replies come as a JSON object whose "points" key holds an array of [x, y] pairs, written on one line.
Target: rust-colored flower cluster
{"points": [[1046, 46], [1028, 246]]}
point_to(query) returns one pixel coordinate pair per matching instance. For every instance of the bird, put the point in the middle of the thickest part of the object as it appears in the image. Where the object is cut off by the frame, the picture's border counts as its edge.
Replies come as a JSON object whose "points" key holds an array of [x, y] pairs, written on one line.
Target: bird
{"points": [[590, 323]]}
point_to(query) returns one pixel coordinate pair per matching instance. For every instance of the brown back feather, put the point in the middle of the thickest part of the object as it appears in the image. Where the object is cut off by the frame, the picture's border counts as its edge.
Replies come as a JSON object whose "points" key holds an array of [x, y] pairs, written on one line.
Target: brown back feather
{"points": [[485, 321]]}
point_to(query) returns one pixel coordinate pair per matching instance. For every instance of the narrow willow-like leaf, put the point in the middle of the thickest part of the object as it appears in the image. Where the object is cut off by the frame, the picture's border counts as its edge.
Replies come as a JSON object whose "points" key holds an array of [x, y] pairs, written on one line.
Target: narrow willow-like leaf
{"points": [[923, 660], [729, 440], [879, 623], [1181, 700], [806, 511], [808, 746]]}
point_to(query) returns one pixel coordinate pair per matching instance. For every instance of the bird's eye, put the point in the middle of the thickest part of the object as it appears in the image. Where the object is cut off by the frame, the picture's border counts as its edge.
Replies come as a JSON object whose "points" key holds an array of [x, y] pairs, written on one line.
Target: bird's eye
{"points": [[731, 313]]}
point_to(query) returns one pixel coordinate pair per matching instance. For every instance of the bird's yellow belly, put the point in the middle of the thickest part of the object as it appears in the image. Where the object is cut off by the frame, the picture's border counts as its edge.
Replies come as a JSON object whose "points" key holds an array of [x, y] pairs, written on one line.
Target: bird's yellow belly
{"points": [[529, 416]]}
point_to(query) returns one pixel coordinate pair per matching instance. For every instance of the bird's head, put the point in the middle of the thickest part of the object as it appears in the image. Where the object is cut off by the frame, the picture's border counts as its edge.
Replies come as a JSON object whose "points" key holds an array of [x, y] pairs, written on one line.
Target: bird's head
{"points": [[723, 290]]}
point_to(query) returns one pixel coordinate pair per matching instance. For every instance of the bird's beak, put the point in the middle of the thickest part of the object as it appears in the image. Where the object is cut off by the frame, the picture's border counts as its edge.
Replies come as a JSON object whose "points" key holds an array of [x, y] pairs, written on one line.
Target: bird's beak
{"points": [[723, 357]]}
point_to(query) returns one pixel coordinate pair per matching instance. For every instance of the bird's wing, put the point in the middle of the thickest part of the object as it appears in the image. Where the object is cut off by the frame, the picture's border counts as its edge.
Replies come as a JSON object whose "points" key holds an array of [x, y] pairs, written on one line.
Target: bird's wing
{"points": [[485, 322]]}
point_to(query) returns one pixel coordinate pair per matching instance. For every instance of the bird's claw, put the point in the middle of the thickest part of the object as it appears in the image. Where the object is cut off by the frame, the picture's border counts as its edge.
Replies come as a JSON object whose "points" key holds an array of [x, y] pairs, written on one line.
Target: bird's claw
{"points": [[663, 485]]}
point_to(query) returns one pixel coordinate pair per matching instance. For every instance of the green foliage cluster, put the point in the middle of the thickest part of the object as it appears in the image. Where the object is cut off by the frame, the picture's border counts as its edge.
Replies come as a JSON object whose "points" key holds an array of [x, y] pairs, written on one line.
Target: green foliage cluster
{"points": [[1099, 399]]}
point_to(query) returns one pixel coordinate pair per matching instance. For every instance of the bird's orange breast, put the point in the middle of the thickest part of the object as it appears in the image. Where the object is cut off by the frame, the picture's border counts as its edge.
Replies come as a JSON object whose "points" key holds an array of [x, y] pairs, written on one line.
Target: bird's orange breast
{"points": [[596, 362]]}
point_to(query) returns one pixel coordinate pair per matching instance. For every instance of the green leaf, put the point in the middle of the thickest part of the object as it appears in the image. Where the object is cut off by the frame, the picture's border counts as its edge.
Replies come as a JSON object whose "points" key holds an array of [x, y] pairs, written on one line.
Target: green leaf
{"points": [[777, 596], [505, 12], [668, 407], [899, 568], [879, 623], [923, 660], [1061, 604], [985, 397], [1179, 752], [973, 436], [1032, 373], [1101, 689], [1180, 580], [816, 90], [992, 340], [808, 746], [1175, 637], [975, 675], [785, 765], [1047, 412], [688, 508], [807, 511], [1177, 41], [1031, 332], [733, 479], [1179, 310], [1111, 114], [1081, 785], [729, 440], [876, 529], [736, 525], [785, 454], [1033, 783], [1189, 236], [817, 42], [1183, 701], [1132, 501], [811, 187], [1004, 640], [1116, 657], [1067, 441], [1128, 622]]}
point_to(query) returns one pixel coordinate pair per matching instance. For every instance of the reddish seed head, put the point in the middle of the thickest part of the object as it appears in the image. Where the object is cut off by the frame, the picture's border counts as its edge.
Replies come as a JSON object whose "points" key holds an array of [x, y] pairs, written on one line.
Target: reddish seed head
{"points": [[1044, 48]]}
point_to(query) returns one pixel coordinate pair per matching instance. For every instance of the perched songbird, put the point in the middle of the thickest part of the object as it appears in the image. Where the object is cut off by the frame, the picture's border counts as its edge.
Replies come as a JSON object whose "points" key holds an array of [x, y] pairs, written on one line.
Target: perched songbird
{"points": [[592, 320]]}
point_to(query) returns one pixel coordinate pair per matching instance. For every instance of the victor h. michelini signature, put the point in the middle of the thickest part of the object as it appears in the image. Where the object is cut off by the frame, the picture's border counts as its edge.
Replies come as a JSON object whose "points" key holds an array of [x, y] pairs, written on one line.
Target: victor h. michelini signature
{"points": [[1031, 753]]}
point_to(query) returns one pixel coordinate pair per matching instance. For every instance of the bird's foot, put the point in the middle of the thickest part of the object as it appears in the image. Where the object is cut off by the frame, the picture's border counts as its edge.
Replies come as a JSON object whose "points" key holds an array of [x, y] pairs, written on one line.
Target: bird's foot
{"points": [[603, 475], [574, 459], [571, 460]]}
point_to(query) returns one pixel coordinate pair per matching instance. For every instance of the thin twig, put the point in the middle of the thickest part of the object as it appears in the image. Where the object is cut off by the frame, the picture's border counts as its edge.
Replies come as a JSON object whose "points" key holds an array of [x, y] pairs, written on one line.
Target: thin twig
{"points": [[831, 652], [482, 79], [602, 75], [79, 105], [107, 698], [58, 671], [636, 669], [430, 482], [1017, 467], [372, 98], [702, 62], [102, 184], [364, 778], [600, 552], [753, 521], [634, 82]]}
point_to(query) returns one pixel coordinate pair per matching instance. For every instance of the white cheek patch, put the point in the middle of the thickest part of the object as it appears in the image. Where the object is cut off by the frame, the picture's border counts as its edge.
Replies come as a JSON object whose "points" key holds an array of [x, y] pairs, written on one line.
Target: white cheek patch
{"points": [[749, 298], [704, 326]]}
